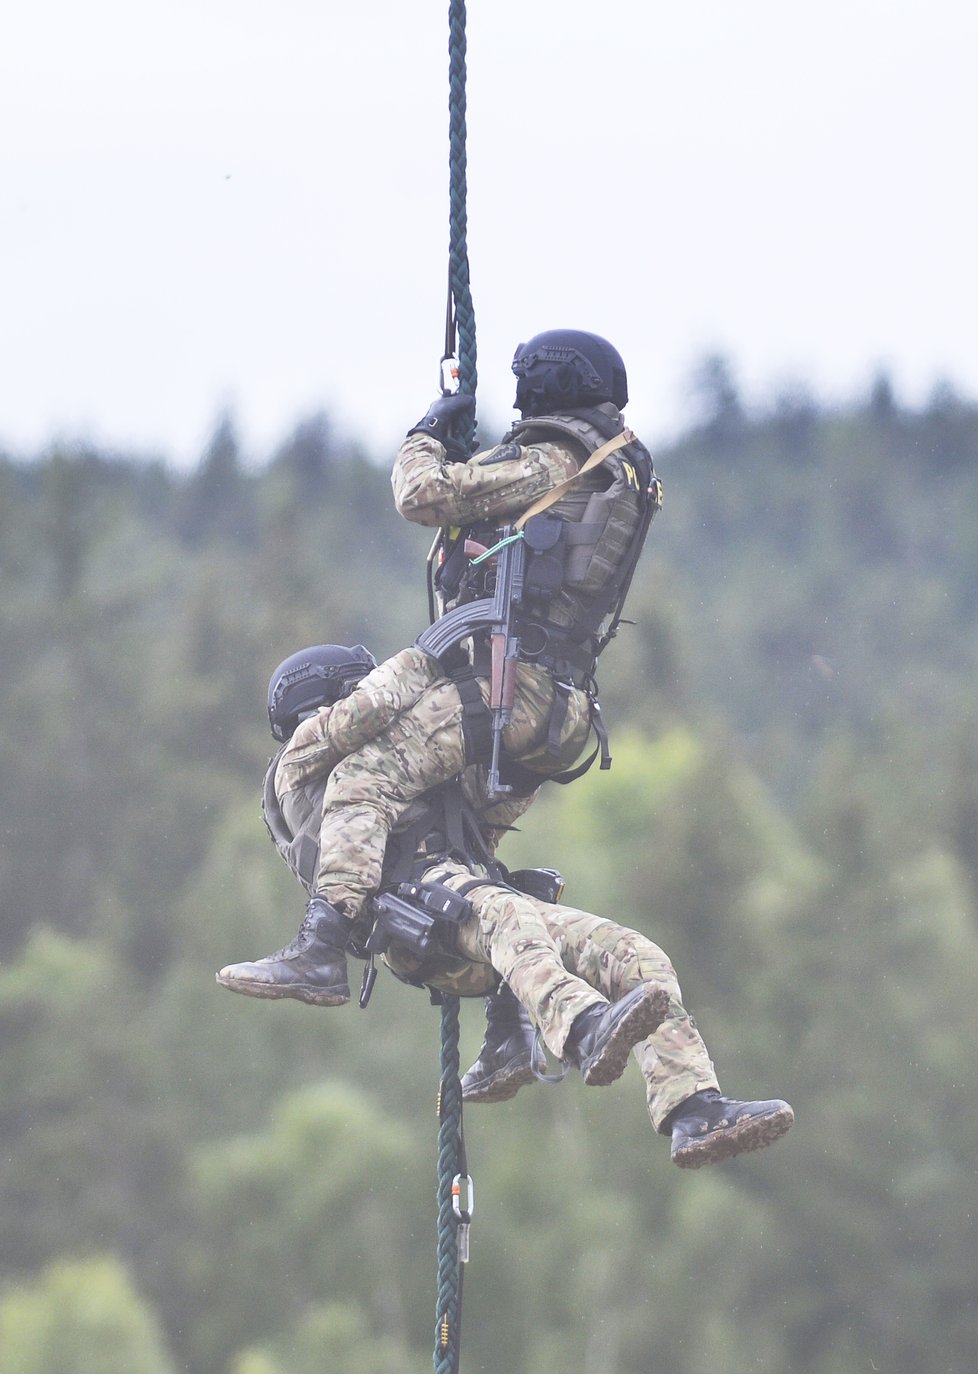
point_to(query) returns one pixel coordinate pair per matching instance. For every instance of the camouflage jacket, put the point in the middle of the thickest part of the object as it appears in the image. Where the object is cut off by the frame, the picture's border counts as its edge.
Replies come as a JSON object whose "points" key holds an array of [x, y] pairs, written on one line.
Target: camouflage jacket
{"points": [[604, 515]]}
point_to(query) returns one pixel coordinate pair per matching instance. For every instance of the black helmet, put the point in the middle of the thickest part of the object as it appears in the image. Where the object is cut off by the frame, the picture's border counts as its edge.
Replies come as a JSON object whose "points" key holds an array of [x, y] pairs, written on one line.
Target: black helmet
{"points": [[313, 677], [567, 369]]}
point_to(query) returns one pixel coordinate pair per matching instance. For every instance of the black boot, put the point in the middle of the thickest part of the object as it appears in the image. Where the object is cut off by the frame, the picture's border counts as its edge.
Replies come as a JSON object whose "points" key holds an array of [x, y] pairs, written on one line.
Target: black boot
{"points": [[708, 1127], [509, 1053], [602, 1036], [312, 968]]}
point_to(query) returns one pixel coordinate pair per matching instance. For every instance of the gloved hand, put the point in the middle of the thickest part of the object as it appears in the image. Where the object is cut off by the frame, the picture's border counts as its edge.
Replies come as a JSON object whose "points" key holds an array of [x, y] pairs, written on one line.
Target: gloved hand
{"points": [[449, 420]]}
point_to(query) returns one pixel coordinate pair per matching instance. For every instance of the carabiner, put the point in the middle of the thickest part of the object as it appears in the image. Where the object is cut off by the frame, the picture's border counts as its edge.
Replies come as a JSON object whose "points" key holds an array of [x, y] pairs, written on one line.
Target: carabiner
{"points": [[464, 1214], [449, 375]]}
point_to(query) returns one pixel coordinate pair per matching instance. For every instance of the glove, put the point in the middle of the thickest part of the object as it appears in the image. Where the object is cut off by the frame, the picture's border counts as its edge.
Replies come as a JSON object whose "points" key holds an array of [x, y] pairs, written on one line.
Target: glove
{"points": [[449, 420]]}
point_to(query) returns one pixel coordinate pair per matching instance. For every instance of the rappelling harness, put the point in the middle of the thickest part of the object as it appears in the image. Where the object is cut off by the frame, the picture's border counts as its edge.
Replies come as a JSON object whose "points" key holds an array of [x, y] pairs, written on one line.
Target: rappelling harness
{"points": [[413, 920]]}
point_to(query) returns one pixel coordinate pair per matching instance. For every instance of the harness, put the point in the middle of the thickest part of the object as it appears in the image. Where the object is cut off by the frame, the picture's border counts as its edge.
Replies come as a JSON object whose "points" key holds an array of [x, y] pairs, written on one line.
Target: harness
{"points": [[412, 923]]}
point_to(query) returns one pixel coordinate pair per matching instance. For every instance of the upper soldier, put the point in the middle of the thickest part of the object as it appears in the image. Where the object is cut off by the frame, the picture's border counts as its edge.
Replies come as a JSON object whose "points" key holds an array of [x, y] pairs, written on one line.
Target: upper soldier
{"points": [[576, 485], [585, 491]]}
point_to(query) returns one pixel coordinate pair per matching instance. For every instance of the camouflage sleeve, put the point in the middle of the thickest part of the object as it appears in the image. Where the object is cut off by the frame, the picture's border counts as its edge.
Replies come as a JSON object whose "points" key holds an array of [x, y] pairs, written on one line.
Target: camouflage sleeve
{"points": [[501, 482], [335, 731]]}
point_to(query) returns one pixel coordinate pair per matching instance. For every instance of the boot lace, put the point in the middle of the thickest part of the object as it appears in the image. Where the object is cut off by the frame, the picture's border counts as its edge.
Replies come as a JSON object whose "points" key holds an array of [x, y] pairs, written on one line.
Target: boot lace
{"points": [[299, 941]]}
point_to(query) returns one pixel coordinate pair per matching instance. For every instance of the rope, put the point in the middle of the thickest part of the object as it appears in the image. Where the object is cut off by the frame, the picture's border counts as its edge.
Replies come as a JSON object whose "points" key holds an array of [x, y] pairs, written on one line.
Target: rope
{"points": [[449, 1306], [460, 308], [461, 320]]}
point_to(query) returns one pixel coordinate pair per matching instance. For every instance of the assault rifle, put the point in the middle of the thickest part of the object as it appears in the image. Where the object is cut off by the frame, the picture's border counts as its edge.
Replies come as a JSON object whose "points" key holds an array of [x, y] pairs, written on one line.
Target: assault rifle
{"points": [[497, 615]]}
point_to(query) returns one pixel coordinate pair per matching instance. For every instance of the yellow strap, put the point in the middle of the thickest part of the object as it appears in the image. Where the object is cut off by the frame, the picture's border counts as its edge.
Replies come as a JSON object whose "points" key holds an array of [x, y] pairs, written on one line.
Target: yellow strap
{"points": [[555, 493]]}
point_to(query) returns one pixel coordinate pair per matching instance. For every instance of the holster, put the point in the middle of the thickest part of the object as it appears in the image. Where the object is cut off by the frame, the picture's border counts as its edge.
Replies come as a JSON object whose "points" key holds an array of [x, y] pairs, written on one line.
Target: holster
{"points": [[545, 884], [423, 916]]}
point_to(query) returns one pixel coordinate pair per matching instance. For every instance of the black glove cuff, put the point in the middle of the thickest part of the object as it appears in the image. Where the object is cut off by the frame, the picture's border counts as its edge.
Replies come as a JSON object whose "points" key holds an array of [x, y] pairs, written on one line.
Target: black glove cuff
{"points": [[455, 450]]}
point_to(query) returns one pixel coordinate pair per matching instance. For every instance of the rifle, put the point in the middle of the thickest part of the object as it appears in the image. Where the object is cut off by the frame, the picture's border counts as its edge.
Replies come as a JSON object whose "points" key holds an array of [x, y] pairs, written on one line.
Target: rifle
{"points": [[504, 642], [497, 615]]}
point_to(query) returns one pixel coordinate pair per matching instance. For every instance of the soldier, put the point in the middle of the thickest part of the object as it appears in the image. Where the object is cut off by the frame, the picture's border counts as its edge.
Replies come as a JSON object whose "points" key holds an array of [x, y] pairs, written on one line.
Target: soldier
{"points": [[571, 453], [595, 989]]}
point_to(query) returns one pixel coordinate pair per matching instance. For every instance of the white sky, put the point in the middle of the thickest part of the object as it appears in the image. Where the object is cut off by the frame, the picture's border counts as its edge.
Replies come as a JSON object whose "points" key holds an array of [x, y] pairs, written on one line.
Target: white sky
{"points": [[217, 204]]}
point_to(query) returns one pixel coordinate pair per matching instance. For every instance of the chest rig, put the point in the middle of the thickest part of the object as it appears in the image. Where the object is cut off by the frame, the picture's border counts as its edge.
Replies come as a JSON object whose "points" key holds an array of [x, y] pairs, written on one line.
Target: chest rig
{"points": [[581, 551], [582, 548]]}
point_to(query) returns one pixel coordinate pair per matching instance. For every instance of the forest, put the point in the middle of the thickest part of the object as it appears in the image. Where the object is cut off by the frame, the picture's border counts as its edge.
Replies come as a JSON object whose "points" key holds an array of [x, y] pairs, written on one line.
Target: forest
{"points": [[192, 1181]]}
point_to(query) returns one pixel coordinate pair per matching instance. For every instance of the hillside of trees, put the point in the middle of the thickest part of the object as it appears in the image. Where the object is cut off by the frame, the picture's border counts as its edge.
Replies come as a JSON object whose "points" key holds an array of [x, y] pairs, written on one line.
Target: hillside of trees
{"points": [[195, 1181]]}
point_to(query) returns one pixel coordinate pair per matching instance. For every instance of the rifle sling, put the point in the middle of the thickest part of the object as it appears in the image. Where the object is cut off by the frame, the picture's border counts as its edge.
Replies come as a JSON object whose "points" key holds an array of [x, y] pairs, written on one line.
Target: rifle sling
{"points": [[555, 493]]}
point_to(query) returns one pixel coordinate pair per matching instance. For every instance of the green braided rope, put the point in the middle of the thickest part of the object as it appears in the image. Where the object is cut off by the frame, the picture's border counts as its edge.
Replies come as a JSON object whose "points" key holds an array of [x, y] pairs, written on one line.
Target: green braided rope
{"points": [[448, 1316], [458, 255]]}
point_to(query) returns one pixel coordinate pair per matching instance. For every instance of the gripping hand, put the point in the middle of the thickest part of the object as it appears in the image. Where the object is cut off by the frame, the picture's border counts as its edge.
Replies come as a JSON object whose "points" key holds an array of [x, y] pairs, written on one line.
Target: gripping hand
{"points": [[449, 420]]}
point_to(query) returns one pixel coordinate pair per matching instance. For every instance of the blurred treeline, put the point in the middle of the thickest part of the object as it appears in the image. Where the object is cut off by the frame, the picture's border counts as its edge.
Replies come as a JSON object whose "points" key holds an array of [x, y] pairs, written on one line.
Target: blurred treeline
{"points": [[195, 1181]]}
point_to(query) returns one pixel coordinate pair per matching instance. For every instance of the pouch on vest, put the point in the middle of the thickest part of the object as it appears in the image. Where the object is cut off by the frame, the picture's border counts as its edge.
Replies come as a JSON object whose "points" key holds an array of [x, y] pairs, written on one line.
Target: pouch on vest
{"points": [[546, 555], [601, 540]]}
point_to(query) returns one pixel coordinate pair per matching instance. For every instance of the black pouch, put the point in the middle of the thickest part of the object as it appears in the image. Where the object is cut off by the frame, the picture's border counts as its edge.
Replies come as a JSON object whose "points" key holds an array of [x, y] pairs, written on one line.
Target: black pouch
{"points": [[424, 917], [546, 553], [448, 577]]}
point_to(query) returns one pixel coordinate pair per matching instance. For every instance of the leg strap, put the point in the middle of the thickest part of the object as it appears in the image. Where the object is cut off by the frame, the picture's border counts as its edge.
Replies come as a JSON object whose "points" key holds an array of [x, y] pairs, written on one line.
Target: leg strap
{"points": [[558, 714]]}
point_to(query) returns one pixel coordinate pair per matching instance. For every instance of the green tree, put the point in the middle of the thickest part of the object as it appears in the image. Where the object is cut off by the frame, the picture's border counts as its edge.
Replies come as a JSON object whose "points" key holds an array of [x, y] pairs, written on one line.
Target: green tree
{"points": [[328, 1212], [80, 1317], [791, 814], [335, 1336]]}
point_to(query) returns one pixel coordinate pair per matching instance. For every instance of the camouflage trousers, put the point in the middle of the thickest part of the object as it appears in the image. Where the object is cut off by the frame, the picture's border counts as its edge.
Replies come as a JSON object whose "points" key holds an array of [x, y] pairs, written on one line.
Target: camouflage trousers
{"points": [[404, 726], [560, 961]]}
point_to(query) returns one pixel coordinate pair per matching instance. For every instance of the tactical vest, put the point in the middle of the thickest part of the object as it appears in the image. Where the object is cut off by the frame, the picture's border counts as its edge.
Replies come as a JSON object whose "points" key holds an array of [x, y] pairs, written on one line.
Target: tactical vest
{"points": [[594, 536]]}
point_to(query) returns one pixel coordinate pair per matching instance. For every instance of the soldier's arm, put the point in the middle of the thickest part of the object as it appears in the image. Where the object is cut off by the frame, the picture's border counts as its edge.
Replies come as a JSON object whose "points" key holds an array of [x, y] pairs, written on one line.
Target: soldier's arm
{"points": [[338, 730], [429, 489]]}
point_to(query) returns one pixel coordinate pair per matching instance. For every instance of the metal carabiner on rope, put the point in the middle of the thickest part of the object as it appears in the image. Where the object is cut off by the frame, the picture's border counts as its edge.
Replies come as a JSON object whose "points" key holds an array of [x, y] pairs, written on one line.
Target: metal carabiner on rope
{"points": [[449, 376], [464, 1214]]}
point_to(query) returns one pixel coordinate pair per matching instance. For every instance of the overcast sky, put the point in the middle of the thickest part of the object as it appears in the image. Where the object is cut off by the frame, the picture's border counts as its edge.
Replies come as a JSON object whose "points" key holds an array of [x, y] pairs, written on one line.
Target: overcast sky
{"points": [[245, 205]]}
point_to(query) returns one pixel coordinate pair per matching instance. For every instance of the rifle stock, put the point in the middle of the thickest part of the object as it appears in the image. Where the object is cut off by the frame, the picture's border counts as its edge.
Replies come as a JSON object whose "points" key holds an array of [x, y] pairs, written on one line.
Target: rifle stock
{"points": [[497, 671]]}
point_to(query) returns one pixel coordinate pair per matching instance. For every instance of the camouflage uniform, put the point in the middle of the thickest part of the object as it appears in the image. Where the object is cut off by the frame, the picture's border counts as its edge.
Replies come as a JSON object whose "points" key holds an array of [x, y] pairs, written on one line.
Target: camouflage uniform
{"points": [[320, 742], [396, 736], [496, 485], [557, 960], [373, 784]]}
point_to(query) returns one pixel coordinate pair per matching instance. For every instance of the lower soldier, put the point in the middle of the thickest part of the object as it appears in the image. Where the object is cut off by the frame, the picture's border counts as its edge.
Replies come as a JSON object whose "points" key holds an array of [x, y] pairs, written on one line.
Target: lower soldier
{"points": [[595, 989], [398, 735], [386, 740]]}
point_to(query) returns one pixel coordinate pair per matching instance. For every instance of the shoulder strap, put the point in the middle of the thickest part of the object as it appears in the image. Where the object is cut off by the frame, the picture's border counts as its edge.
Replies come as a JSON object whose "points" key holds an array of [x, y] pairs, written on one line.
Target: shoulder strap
{"points": [[555, 493]]}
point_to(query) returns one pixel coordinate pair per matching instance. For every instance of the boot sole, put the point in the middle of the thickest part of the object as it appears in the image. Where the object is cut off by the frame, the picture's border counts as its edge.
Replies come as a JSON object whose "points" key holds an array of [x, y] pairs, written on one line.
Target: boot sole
{"points": [[298, 992], [644, 1018], [503, 1084], [724, 1143]]}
